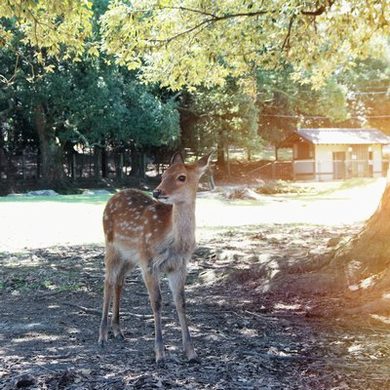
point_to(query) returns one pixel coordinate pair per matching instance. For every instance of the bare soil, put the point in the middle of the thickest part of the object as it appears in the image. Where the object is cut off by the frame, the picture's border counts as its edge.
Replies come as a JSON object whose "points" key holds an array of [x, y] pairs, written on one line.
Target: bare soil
{"points": [[246, 337]]}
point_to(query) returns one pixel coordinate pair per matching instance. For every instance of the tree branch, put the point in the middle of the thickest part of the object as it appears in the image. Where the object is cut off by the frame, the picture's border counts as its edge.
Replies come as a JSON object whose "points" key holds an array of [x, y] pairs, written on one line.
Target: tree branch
{"points": [[213, 18], [286, 43]]}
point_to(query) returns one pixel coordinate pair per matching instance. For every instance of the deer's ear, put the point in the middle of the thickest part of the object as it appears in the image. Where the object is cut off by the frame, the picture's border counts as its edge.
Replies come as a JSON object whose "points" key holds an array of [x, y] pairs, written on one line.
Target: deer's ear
{"points": [[177, 158], [203, 163]]}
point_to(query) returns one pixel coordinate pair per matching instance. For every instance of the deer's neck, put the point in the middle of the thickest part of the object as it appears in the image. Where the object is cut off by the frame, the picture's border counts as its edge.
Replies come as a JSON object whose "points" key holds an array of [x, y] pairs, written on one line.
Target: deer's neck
{"points": [[183, 221]]}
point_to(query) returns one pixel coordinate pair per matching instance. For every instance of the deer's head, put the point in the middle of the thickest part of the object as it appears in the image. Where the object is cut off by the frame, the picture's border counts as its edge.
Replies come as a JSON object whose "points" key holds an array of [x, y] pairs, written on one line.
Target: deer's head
{"points": [[180, 181]]}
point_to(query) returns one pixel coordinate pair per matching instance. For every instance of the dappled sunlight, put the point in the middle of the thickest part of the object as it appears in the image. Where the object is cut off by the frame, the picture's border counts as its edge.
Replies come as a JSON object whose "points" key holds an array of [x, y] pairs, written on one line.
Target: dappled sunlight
{"points": [[383, 319], [284, 306], [35, 337]]}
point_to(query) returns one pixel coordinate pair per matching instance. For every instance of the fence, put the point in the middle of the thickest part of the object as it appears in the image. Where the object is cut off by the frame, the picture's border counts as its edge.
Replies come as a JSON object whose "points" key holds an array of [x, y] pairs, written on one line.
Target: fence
{"points": [[25, 169], [323, 170]]}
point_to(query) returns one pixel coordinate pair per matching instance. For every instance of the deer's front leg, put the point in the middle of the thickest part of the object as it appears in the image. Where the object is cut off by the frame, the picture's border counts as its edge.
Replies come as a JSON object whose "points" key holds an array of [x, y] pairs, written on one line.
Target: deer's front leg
{"points": [[152, 284], [176, 283]]}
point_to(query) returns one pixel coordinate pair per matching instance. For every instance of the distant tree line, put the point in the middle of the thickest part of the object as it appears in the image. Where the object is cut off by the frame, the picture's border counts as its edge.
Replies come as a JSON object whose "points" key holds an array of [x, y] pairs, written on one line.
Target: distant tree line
{"points": [[67, 119]]}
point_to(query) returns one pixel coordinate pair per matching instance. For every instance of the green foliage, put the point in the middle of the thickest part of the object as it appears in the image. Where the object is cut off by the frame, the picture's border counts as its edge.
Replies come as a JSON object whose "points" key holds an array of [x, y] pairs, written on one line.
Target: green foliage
{"points": [[149, 120], [224, 116], [368, 86], [190, 42], [57, 27], [90, 102], [181, 43], [297, 55], [281, 101]]}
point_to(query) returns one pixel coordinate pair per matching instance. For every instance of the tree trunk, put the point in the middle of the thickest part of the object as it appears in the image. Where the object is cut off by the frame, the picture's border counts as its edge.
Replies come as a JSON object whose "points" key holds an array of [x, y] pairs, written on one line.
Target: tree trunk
{"points": [[137, 163], [119, 165], [228, 170], [359, 268], [221, 160], [104, 163], [51, 168], [368, 254], [97, 162]]}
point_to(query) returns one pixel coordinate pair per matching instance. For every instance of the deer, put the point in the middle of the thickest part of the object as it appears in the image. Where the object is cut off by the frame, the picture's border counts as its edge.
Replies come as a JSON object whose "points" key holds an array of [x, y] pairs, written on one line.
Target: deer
{"points": [[157, 234]]}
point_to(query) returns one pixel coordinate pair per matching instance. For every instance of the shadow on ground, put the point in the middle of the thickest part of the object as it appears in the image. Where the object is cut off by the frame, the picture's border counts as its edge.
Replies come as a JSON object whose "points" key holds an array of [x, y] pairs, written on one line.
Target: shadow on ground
{"points": [[50, 309]]}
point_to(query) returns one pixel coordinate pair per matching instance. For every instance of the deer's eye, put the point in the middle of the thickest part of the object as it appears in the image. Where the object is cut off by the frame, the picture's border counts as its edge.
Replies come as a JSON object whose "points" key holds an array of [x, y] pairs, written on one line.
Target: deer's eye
{"points": [[181, 178]]}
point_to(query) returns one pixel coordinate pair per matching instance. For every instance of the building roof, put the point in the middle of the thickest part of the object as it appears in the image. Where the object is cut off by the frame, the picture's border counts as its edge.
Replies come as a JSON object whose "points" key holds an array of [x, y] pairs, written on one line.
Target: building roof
{"points": [[344, 136]]}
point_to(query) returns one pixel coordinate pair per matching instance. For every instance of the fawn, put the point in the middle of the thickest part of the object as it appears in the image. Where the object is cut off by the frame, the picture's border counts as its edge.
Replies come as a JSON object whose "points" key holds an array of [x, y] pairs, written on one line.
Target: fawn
{"points": [[157, 235]]}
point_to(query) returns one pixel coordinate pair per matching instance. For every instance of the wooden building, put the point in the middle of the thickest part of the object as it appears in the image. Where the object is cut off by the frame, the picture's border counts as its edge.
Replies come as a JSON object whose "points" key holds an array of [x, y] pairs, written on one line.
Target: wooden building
{"points": [[330, 153]]}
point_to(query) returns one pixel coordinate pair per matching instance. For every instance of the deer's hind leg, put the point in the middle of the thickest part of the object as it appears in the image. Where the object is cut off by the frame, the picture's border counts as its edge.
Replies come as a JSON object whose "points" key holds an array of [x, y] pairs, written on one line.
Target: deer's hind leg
{"points": [[118, 286], [151, 280], [116, 270]]}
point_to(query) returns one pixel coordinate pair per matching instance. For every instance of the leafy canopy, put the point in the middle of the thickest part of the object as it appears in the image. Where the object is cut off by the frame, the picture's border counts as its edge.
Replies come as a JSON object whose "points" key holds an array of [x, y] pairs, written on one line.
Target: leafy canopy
{"points": [[58, 27], [192, 42], [200, 42], [224, 116]]}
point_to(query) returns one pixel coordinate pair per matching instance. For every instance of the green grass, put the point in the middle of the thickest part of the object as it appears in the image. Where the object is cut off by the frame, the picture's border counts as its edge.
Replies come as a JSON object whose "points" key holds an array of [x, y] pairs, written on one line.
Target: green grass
{"points": [[89, 199]]}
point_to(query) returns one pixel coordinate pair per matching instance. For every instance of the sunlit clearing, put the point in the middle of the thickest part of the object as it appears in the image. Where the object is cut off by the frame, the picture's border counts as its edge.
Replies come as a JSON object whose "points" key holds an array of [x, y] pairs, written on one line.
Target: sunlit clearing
{"points": [[351, 205], [32, 225]]}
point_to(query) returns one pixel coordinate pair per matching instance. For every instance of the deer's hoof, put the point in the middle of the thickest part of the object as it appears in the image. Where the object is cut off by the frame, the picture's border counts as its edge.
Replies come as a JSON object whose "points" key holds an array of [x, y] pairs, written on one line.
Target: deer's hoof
{"points": [[161, 363], [119, 335], [160, 359], [194, 358]]}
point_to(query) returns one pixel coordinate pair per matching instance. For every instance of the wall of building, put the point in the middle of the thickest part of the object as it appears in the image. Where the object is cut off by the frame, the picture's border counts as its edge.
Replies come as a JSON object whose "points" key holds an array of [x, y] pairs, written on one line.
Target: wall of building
{"points": [[340, 161]]}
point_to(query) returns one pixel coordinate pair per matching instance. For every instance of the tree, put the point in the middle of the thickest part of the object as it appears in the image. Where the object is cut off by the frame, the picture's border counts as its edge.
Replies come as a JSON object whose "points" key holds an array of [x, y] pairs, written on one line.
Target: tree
{"points": [[53, 27], [90, 102], [367, 86], [190, 43], [224, 116], [285, 104]]}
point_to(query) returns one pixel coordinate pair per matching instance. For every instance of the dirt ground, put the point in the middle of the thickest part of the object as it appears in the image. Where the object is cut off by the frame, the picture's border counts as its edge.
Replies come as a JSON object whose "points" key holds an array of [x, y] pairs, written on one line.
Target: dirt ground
{"points": [[245, 338]]}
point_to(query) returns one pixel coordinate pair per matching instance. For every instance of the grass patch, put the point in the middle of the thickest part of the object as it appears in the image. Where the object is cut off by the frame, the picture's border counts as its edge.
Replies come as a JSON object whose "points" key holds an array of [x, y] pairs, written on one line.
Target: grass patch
{"points": [[87, 199]]}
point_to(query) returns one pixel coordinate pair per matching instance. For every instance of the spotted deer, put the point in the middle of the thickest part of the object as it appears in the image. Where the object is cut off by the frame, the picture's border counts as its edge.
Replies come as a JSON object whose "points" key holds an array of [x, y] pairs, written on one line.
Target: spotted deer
{"points": [[158, 235]]}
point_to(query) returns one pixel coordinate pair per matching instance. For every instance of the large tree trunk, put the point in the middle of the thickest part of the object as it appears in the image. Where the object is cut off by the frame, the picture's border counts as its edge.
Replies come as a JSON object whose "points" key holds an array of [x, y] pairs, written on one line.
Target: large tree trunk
{"points": [[366, 258], [365, 262], [358, 269], [50, 152], [137, 163]]}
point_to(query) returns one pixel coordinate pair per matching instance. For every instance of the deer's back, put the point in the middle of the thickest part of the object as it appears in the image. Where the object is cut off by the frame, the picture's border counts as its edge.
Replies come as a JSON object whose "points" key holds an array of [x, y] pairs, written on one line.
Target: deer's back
{"points": [[136, 224]]}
